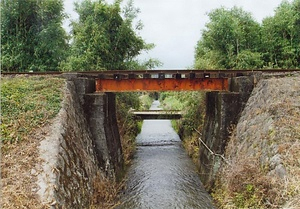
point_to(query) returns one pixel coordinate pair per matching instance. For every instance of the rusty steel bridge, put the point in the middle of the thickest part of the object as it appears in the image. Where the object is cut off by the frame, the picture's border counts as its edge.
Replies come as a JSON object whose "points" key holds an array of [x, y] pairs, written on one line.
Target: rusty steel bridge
{"points": [[161, 80]]}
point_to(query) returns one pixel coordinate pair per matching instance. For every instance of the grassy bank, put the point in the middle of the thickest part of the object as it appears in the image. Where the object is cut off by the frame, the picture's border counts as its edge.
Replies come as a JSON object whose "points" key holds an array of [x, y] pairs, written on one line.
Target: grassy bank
{"points": [[263, 169], [128, 127], [27, 105]]}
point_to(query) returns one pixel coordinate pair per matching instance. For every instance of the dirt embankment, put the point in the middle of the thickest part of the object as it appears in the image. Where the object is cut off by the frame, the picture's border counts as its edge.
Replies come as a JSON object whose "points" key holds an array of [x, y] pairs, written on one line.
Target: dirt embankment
{"points": [[263, 154], [49, 162]]}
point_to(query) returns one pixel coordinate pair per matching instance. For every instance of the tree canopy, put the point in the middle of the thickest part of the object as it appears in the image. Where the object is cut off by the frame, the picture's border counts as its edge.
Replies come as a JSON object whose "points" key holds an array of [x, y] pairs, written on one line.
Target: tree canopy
{"points": [[105, 37], [281, 37], [232, 39], [32, 37]]}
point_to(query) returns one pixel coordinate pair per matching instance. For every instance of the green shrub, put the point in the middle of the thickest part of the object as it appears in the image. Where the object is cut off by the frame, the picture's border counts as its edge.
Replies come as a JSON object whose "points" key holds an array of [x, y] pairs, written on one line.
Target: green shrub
{"points": [[128, 126], [146, 101]]}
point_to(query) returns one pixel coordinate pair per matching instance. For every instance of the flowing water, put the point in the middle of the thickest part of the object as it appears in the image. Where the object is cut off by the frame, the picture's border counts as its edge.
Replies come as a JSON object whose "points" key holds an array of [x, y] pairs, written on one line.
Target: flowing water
{"points": [[162, 176]]}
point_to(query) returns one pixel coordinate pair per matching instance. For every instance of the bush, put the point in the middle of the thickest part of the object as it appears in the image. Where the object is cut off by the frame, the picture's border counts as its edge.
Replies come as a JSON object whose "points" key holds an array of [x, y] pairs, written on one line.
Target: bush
{"points": [[128, 126]]}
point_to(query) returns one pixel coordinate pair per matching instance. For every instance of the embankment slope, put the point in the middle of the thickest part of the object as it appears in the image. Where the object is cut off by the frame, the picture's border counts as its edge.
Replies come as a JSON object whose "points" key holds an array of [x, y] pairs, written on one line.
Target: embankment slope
{"points": [[263, 169], [57, 163]]}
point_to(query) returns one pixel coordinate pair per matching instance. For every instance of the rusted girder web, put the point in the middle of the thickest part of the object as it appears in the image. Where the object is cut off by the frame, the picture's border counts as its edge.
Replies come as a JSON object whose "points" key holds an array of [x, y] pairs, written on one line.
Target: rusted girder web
{"points": [[167, 84], [162, 80]]}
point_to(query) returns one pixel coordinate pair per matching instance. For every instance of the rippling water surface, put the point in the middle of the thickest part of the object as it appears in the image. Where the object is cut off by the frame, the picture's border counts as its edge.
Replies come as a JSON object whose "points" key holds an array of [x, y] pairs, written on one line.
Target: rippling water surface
{"points": [[162, 175]]}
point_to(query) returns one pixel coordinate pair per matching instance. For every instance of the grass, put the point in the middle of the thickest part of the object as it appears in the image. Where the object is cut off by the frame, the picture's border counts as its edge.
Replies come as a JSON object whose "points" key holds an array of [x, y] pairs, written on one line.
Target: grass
{"points": [[106, 192], [27, 104], [249, 181]]}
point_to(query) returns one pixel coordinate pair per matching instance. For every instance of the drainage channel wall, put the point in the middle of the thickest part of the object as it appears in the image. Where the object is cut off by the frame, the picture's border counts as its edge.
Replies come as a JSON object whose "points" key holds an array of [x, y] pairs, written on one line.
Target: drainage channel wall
{"points": [[84, 143], [222, 113]]}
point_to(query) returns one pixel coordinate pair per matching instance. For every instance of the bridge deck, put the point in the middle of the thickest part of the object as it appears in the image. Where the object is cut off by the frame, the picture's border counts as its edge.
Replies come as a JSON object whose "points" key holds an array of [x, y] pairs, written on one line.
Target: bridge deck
{"points": [[157, 114]]}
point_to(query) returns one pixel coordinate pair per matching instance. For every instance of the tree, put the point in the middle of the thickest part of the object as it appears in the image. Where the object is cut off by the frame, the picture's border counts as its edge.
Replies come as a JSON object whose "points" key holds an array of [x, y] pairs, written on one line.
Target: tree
{"points": [[104, 38], [17, 35], [281, 38], [32, 37], [52, 40], [228, 33]]}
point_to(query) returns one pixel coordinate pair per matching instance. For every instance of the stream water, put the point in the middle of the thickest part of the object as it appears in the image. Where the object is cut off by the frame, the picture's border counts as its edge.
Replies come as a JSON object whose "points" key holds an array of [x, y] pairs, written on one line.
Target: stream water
{"points": [[162, 176]]}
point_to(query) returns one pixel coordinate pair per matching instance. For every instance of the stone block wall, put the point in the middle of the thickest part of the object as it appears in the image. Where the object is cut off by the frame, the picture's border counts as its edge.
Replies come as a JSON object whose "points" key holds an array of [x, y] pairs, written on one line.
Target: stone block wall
{"points": [[83, 144]]}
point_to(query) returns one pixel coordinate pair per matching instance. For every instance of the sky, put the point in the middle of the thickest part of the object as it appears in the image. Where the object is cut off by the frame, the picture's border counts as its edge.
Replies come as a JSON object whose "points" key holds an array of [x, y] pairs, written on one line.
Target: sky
{"points": [[175, 26]]}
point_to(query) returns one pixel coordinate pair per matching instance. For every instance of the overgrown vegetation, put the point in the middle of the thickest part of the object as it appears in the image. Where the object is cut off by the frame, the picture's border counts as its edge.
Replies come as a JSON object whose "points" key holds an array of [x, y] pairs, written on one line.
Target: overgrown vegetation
{"points": [[128, 126], [232, 39], [263, 153], [27, 104], [192, 105]]}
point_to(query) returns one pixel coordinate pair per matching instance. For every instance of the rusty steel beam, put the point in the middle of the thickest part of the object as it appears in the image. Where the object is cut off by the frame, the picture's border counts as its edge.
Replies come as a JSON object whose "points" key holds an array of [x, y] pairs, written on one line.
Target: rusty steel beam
{"points": [[171, 84]]}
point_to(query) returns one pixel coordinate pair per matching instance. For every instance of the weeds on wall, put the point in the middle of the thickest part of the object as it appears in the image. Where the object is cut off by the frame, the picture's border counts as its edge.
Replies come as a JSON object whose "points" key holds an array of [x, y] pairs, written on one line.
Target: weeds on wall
{"points": [[105, 192]]}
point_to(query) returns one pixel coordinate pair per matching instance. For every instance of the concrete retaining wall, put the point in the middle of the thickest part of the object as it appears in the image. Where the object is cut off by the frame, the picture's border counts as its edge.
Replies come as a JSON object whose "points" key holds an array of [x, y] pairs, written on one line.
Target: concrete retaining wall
{"points": [[222, 112], [84, 144]]}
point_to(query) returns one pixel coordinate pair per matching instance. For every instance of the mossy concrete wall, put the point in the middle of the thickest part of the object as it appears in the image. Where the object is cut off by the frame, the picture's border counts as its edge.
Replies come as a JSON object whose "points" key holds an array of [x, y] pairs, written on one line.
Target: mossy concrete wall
{"points": [[84, 144], [222, 113], [101, 116]]}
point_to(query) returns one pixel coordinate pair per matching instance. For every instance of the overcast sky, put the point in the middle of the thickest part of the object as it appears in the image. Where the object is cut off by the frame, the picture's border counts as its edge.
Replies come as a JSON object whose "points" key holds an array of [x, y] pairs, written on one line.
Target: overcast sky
{"points": [[175, 26]]}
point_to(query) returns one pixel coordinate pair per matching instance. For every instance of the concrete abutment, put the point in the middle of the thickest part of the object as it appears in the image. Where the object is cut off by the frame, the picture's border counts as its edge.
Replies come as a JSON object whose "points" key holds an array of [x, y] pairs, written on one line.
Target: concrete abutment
{"points": [[99, 110], [223, 110], [84, 143]]}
